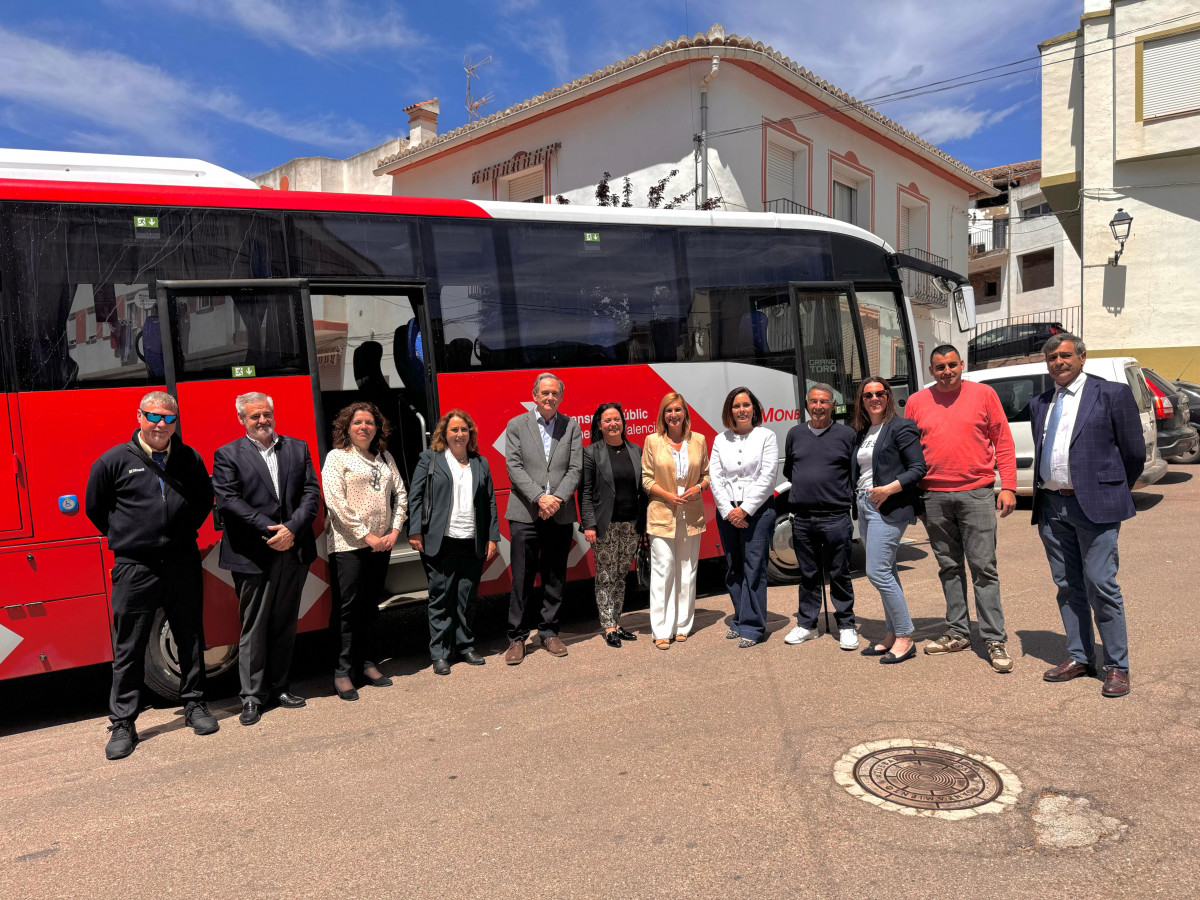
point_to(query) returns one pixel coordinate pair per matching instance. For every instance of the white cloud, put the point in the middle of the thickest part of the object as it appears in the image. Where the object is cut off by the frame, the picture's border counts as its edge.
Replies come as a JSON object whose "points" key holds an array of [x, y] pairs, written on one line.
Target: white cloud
{"points": [[116, 102], [315, 27], [941, 124]]}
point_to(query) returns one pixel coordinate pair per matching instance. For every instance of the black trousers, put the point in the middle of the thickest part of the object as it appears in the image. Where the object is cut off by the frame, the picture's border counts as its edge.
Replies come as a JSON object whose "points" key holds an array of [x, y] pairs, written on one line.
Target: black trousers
{"points": [[268, 603], [171, 582], [358, 577], [823, 546], [454, 575], [540, 548]]}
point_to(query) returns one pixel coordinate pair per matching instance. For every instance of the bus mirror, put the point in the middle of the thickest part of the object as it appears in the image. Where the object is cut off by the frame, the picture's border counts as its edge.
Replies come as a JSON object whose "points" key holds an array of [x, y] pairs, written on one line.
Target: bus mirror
{"points": [[964, 307]]}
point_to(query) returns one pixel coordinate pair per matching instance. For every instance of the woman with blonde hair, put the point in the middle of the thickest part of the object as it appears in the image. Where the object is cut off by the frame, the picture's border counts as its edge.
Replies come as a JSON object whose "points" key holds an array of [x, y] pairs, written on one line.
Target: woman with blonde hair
{"points": [[455, 528], [674, 475]]}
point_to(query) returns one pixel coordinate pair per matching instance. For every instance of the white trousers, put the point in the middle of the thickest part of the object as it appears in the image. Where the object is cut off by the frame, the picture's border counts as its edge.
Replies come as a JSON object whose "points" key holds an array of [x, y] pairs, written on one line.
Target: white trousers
{"points": [[673, 582]]}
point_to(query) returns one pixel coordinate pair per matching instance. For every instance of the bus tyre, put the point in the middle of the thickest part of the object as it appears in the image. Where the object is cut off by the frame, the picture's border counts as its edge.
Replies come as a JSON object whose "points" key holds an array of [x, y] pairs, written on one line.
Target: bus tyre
{"points": [[162, 662], [781, 560]]}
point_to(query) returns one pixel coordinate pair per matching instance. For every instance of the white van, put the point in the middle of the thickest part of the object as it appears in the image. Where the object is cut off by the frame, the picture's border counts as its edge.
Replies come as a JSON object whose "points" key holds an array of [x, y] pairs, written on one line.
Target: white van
{"points": [[1017, 385]]}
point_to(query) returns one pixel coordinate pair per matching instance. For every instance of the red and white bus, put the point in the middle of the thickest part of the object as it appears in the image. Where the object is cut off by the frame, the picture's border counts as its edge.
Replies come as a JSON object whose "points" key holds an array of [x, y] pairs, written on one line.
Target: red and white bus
{"points": [[122, 275]]}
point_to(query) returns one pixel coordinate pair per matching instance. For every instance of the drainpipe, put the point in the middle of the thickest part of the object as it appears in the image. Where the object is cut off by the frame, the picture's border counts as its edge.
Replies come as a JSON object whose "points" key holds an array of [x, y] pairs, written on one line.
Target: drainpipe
{"points": [[716, 61]]}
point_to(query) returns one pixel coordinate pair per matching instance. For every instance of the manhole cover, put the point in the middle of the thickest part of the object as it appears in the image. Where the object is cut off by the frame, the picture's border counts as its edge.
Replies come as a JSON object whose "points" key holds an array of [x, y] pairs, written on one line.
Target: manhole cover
{"points": [[927, 779]]}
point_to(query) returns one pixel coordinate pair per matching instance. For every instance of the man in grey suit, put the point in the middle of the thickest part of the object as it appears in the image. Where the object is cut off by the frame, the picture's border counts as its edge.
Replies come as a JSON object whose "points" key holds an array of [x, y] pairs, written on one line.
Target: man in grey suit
{"points": [[544, 455]]}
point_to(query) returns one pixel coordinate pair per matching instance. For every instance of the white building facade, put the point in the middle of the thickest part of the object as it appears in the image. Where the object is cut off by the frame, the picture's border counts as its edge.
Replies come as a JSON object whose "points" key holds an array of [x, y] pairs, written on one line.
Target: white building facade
{"points": [[777, 139]]}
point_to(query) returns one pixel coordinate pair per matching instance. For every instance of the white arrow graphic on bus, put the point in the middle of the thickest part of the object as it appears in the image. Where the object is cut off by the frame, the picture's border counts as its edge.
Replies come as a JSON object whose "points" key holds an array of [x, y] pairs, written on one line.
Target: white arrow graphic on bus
{"points": [[8, 642], [313, 585], [500, 443]]}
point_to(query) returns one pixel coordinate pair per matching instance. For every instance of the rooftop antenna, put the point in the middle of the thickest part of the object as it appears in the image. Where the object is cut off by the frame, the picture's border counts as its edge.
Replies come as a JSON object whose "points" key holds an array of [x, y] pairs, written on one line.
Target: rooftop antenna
{"points": [[473, 104]]}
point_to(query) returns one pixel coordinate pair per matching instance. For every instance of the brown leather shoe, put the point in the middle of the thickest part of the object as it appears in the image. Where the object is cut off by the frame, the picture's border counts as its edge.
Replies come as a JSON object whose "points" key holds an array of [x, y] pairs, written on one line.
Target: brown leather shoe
{"points": [[1068, 670], [515, 653], [553, 645], [1116, 683]]}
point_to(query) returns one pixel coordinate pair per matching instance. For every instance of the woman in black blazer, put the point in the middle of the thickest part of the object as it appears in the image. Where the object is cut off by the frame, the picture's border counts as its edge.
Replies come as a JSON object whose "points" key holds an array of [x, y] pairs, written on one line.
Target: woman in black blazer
{"points": [[453, 523], [886, 469], [612, 513]]}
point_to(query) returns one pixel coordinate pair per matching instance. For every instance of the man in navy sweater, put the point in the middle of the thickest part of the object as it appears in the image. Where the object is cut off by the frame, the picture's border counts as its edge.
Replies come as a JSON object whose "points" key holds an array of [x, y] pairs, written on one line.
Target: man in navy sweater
{"points": [[817, 462], [148, 496]]}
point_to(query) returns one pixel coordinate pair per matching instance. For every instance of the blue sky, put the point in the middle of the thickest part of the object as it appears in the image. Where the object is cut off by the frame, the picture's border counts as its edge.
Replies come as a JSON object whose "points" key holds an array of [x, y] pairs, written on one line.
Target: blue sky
{"points": [[250, 84]]}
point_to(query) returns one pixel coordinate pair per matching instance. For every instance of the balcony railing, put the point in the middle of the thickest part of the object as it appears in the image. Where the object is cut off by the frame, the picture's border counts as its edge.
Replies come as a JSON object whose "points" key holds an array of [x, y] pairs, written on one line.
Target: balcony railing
{"points": [[792, 207], [986, 241], [918, 286]]}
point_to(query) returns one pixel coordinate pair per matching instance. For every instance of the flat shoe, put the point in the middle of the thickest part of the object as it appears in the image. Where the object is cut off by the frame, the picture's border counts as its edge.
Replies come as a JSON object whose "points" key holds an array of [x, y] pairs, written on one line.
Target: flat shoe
{"points": [[381, 681], [662, 644], [731, 635], [351, 694], [875, 651], [745, 642], [891, 658], [612, 639], [680, 638], [625, 635]]}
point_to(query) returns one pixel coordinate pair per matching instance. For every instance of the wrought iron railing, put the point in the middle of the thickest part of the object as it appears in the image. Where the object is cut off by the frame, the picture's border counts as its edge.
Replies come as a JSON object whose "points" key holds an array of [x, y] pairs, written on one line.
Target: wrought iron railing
{"points": [[983, 241], [918, 286], [1020, 337], [791, 206]]}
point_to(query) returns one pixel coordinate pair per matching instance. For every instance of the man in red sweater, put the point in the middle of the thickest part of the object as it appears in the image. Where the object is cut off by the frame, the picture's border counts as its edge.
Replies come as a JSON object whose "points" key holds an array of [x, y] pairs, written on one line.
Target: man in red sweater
{"points": [[965, 439]]}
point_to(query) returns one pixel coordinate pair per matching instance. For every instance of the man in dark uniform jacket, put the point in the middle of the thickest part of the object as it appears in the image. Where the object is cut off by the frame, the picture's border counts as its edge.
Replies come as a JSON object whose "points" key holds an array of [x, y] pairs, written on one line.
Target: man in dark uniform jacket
{"points": [[148, 496], [268, 496]]}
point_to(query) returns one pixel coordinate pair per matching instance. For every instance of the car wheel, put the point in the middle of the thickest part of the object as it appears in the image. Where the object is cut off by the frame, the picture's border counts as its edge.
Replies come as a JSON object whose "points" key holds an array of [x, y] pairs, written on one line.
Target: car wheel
{"points": [[1186, 458], [162, 661]]}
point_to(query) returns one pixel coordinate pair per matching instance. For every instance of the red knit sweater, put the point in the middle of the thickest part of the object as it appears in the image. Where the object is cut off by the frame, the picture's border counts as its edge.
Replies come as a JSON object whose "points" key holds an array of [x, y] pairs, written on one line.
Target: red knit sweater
{"points": [[965, 438]]}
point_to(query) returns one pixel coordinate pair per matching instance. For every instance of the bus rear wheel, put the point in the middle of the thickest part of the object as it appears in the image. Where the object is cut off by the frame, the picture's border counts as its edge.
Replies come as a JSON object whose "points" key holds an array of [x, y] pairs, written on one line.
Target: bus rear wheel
{"points": [[781, 559], [162, 661]]}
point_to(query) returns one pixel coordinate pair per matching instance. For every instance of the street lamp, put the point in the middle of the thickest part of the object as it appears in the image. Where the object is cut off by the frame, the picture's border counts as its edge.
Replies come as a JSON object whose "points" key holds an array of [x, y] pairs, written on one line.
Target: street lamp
{"points": [[1121, 223]]}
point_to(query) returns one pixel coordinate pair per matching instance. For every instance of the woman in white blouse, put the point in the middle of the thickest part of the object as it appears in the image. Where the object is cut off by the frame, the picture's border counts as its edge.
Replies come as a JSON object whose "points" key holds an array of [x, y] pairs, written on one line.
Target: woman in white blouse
{"points": [[366, 505], [455, 528], [742, 468]]}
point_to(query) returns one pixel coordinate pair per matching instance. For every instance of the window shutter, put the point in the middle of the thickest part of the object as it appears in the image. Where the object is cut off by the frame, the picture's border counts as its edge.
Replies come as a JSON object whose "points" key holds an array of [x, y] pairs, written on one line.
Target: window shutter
{"points": [[1171, 75], [905, 229], [845, 203], [781, 173], [529, 187]]}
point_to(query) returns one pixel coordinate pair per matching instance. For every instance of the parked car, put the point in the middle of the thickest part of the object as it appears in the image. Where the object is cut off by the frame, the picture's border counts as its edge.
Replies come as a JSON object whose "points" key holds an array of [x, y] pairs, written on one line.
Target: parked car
{"points": [[1017, 385], [1009, 341], [1176, 436], [1190, 390]]}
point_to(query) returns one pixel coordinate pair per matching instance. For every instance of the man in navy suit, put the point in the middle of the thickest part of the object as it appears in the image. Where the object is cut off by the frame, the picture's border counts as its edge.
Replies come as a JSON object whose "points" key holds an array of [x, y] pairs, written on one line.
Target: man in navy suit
{"points": [[1089, 452], [268, 496]]}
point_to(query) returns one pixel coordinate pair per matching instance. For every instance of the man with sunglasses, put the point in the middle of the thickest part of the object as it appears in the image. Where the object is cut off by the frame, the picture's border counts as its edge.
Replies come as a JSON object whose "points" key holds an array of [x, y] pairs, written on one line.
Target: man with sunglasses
{"points": [[268, 495], [148, 496]]}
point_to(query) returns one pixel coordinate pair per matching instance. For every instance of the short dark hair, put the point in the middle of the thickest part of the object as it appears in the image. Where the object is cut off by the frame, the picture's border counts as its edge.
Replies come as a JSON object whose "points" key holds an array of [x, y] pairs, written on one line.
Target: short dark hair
{"points": [[861, 420], [1057, 340], [943, 350], [727, 409], [595, 434], [341, 426]]}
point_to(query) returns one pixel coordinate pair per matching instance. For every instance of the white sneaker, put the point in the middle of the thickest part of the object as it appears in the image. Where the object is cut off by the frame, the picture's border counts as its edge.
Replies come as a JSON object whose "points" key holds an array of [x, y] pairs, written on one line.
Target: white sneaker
{"points": [[848, 639], [799, 635]]}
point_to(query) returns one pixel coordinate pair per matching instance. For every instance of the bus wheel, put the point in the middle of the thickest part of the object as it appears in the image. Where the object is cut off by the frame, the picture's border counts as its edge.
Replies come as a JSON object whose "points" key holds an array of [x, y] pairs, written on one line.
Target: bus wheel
{"points": [[781, 560], [162, 660]]}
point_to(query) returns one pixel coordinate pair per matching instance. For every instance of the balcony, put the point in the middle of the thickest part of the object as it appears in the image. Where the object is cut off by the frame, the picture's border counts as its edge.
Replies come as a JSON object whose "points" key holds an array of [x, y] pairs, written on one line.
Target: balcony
{"points": [[791, 207], [987, 244], [918, 286]]}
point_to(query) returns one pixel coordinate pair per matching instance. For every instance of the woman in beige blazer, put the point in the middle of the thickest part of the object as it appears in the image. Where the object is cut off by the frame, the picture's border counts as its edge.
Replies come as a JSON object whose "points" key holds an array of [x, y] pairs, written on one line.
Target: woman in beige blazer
{"points": [[674, 474]]}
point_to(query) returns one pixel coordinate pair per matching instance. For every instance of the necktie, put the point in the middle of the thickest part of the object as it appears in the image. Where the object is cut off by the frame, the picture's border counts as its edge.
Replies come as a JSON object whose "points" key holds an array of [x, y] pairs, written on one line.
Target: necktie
{"points": [[1048, 437]]}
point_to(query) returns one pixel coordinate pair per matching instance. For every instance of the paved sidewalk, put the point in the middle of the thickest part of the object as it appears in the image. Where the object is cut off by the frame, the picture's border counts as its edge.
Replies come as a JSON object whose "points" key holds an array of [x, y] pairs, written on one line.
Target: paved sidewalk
{"points": [[699, 772]]}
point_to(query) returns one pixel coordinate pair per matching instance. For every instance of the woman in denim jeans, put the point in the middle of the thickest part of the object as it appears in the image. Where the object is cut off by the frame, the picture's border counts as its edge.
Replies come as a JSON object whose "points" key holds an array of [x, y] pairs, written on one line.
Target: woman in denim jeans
{"points": [[886, 469]]}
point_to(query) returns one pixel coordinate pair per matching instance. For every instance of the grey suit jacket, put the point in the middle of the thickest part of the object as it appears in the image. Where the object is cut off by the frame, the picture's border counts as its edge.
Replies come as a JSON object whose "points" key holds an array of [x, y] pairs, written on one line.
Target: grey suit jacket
{"points": [[529, 470]]}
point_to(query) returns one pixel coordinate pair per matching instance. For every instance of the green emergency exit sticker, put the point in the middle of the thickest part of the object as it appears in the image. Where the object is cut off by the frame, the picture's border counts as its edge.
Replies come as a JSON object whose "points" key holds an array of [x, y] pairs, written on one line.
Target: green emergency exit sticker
{"points": [[243, 371], [145, 221], [591, 237]]}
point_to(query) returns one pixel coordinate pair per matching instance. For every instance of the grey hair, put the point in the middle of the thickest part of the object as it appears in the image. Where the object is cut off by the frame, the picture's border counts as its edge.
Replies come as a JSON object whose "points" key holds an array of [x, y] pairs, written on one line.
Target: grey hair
{"points": [[824, 388], [159, 398], [243, 400], [1056, 340], [562, 388]]}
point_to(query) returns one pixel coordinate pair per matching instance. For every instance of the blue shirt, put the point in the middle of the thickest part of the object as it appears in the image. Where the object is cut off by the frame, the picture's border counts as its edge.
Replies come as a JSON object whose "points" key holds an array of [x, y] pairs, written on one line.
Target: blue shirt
{"points": [[546, 427]]}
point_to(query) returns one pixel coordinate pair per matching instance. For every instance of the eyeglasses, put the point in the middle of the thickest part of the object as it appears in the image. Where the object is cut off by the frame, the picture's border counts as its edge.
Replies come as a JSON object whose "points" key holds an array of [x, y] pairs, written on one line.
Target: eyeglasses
{"points": [[875, 395], [155, 418], [375, 470]]}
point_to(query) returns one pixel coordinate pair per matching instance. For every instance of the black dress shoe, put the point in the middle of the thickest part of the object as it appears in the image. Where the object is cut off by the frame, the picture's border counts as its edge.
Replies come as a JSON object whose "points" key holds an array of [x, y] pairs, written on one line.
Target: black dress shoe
{"points": [[891, 658], [381, 681], [251, 712], [441, 667], [872, 650], [289, 700], [471, 658], [613, 639], [351, 694], [625, 635]]}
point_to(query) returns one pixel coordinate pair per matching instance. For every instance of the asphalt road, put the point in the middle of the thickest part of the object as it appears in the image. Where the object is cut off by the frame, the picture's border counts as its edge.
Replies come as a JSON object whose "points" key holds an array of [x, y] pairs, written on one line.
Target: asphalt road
{"points": [[702, 771]]}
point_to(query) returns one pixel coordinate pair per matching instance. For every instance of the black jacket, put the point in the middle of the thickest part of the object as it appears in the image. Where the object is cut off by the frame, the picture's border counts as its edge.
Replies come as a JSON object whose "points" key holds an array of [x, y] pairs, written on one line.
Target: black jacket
{"points": [[126, 504], [440, 499], [598, 494], [897, 457], [247, 501]]}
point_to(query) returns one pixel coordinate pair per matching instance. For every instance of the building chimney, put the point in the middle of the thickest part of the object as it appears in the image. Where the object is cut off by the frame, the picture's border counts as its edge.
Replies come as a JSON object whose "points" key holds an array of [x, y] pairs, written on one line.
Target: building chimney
{"points": [[422, 121]]}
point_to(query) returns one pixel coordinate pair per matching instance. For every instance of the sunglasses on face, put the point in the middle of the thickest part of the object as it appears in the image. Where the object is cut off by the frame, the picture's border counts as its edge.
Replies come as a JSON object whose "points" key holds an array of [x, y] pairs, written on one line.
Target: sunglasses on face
{"points": [[155, 418], [875, 395]]}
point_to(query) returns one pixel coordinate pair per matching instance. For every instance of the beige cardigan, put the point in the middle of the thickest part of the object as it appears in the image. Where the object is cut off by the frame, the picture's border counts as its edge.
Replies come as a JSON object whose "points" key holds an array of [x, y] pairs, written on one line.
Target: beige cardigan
{"points": [[658, 467]]}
